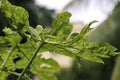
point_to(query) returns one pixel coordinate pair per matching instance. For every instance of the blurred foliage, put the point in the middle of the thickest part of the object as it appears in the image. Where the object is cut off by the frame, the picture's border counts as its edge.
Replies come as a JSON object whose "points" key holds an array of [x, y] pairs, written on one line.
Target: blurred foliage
{"points": [[87, 71], [108, 31], [37, 14]]}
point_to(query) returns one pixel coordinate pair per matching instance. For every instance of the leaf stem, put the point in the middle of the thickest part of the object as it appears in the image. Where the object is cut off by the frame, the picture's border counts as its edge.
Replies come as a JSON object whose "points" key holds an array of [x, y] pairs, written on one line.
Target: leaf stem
{"points": [[31, 60], [26, 56], [14, 73], [6, 59]]}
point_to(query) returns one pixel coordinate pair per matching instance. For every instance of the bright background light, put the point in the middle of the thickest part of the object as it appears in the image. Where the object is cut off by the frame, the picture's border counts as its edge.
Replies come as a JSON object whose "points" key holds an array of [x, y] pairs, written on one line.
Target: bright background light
{"points": [[82, 14], [58, 5]]}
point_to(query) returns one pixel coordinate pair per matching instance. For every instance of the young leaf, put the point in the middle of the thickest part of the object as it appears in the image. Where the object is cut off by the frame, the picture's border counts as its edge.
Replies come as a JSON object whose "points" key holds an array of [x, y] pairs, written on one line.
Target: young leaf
{"points": [[39, 28], [83, 32], [64, 33], [45, 68], [36, 32], [61, 36], [7, 31], [87, 28], [13, 39], [17, 16], [60, 21]]}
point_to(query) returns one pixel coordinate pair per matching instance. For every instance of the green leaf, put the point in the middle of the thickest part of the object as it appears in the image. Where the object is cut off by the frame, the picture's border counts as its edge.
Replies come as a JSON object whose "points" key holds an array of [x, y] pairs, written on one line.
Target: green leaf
{"points": [[17, 16], [3, 75], [3, 45], [45, 76], [58, 49], [63, 34], [73, 35], [7, 31], [37, 32], [95, 51], [22, 62], [102, 47], [60, 21], [61, 28], [49, 65], [29, 47], [87, 28], [8, 61], [91, 57], [33, 31], [13, 39], [83, 32], [39, 28], [45, 68]]}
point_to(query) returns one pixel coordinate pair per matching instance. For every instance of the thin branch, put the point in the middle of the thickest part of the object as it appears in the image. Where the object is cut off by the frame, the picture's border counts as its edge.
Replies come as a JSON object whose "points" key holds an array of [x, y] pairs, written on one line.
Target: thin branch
{"points": [[31, 60], [6, 59], [26, 56]]}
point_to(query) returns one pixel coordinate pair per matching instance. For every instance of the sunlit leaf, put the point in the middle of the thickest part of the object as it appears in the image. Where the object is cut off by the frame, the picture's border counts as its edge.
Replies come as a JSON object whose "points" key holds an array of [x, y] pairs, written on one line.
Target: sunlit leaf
{"points": [[82, 33], [17, 16], [45, 68], [60, 21], [57, 49]]}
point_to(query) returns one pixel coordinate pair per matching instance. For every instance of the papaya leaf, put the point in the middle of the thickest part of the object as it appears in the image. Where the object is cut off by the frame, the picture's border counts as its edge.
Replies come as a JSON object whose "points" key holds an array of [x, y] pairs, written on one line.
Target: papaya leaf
{"points": [[17, 16], [29, 47], [60, 21], [64, 33], [95, 51], [58, 49], [86, 28], [91, 57], [45, 68], [36, 33], [7, 31], [39, 28], [83, 32], [3, 45], [45, 76], [12, 37]]}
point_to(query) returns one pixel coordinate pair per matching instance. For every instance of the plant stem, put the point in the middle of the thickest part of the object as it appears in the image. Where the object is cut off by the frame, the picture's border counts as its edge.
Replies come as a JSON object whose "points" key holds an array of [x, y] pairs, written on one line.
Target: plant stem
{"points": [[18, 74], [30, 62], [26, 57], [6, 59]]}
